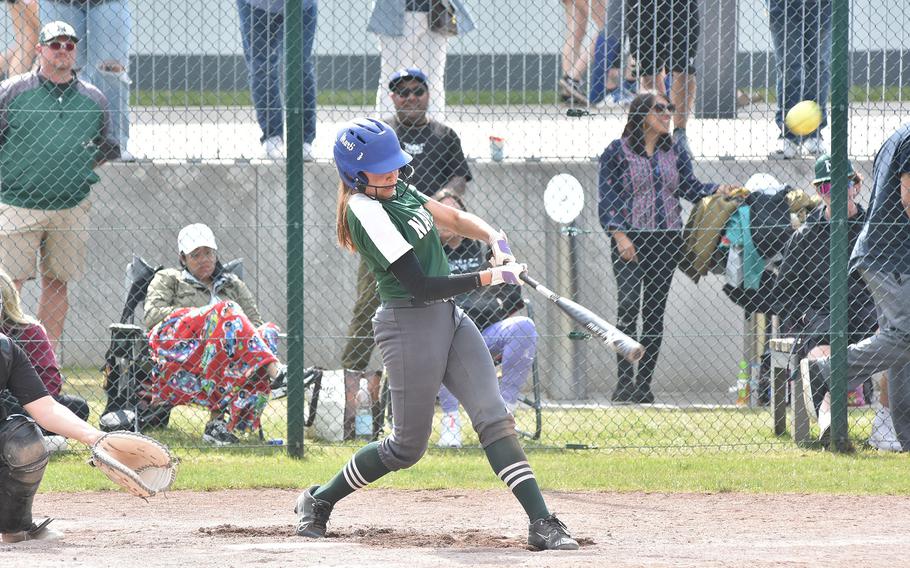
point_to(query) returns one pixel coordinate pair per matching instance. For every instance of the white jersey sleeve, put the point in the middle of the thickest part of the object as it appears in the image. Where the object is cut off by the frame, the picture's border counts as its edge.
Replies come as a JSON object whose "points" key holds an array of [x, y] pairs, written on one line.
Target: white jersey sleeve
{"points": [[378, 228]]}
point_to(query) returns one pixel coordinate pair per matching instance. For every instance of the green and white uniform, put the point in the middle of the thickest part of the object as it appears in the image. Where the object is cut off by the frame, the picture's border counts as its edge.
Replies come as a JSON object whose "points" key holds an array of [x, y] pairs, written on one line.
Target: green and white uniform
{"points": [[427, 344]]}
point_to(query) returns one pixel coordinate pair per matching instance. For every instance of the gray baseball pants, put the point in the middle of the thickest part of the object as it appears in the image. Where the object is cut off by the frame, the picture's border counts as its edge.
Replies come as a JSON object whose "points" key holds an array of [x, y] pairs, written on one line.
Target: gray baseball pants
{"points": [[889, 349], [422, 347]]}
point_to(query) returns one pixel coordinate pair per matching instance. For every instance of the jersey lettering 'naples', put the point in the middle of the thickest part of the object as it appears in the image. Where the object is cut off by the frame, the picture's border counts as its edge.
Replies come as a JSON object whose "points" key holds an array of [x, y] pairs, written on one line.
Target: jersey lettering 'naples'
{"points": [[385, 230]]}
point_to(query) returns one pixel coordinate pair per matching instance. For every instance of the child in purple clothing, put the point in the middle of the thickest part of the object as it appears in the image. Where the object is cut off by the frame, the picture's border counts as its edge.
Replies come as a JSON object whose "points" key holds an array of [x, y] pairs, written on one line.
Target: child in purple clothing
{"points": [[29, 334]]}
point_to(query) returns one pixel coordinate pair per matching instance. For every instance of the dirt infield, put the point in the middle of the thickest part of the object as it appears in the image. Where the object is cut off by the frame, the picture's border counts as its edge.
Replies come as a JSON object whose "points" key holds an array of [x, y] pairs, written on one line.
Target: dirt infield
{"points": [[472, 528]]}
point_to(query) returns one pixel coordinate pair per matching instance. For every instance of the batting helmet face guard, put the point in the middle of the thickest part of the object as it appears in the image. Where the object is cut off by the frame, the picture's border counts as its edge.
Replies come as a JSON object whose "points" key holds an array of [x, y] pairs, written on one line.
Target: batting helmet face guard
{"points": [[367, 145]]}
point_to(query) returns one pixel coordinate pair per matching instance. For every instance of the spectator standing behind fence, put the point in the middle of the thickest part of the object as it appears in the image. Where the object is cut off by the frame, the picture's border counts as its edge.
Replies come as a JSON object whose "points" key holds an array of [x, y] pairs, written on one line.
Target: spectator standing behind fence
{"points": [[663, 37], [882, 255], [103, 56], [415, 33], [209, 343], [438, 164], [20, 55], [29, 334], [802, 287], [801, 32], [55, 129], [511, 337], [642, 177], [262, 32], [576, 53]]}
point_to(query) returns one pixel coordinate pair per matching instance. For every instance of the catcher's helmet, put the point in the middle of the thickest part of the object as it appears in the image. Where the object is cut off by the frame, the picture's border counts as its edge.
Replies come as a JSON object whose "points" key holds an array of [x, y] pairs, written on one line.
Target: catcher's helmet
{"points": [[367, 145]]}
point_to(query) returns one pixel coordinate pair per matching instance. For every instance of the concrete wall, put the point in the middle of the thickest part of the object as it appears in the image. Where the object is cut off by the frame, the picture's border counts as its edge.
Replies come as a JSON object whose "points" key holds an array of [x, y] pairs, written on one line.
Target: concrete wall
{"points": [[138, 208]]}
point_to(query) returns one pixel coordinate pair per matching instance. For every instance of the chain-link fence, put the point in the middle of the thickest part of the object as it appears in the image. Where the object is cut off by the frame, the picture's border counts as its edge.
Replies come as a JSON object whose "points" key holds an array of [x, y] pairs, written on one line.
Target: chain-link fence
{"points": [[725, 294]]}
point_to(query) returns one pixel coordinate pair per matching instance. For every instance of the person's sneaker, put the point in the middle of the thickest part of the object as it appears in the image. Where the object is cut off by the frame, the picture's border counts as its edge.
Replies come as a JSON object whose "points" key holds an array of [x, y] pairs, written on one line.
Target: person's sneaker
{"points": [[788, 150], [273, 148], [216, 433], [35, 532], [623, 393], [549, 533], [814, 146], [313, 514], [883, 435], [307, 152], [450, 430], [824, 421], [571, 90], [814, 386]]}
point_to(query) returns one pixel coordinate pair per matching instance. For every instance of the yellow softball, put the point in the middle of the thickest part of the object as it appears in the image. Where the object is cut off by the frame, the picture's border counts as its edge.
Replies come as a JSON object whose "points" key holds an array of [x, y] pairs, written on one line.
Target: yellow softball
{"points": [[804, 118]]}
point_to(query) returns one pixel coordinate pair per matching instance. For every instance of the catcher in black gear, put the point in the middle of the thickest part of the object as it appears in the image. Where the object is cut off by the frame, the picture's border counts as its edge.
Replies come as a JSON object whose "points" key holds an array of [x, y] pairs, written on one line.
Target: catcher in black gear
{"points": [[23, 455]]}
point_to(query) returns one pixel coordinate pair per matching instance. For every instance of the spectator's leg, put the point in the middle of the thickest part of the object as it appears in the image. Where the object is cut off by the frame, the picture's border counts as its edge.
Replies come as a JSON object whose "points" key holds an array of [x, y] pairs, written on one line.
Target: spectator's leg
{"points": [[26, 23], [684, 34], [786, 21], [63, 255], [628, 294], [109, 29], [447, 401], [21, 233], [576, 27], [583, 60], [659, 261], [817, 57], [260, 34], [644, 30], [420, 48], [516, 339], [355, 356], [310, 16]]}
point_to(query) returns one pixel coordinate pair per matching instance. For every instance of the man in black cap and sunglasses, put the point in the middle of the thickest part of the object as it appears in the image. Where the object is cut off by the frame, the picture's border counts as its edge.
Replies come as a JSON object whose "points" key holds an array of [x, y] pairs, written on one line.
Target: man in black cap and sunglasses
{"points": [[55, 129], [438, 164]]}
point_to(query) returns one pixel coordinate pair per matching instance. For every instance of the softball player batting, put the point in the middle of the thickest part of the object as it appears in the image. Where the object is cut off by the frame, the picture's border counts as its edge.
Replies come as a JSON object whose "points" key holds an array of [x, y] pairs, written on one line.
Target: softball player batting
{"points": [[424, 338]]}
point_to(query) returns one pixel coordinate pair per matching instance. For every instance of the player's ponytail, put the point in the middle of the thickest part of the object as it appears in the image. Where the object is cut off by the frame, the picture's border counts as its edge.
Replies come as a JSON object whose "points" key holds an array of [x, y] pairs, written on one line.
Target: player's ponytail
{"points": [[341, 218]]}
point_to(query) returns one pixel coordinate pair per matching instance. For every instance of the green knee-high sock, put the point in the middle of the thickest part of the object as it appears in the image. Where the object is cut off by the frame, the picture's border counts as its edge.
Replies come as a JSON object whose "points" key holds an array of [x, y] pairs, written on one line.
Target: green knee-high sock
{"points": [[511, 465], [364, 468]]}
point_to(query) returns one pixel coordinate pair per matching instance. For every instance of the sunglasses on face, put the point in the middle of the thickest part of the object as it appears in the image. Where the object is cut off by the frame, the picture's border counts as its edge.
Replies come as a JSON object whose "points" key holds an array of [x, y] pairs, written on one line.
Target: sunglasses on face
{"points": [[58, 45], [416, 91], [661, 107], [824, 188]]}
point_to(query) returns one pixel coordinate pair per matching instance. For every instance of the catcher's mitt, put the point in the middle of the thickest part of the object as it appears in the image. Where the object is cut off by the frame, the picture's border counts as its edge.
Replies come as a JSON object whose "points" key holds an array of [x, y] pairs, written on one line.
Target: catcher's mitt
{"points": [[142, 465]]}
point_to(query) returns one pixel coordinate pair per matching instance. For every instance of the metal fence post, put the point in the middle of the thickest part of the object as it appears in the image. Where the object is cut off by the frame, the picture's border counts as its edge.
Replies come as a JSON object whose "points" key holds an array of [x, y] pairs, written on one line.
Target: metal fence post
{"points": [[839, 253], [294, 186]]}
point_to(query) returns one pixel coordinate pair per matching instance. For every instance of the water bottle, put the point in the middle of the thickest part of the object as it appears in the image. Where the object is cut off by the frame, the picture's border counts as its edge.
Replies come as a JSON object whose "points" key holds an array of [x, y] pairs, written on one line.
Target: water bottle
{"points": [[742, 384], [363, 419]]}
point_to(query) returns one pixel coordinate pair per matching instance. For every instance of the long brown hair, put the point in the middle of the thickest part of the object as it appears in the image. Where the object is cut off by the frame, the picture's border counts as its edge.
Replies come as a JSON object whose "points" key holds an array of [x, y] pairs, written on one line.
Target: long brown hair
{"points": [[634, 132], [341, 218]]}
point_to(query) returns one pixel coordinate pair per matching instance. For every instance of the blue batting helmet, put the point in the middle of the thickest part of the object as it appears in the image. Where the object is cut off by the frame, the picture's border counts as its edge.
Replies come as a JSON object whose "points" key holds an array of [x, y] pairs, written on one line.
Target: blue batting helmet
{"points": [[367, 145]]}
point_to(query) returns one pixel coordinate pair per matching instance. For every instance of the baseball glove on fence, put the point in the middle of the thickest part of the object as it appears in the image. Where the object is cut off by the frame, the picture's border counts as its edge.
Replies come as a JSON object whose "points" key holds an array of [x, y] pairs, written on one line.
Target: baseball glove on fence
{"points": [[142, 465]]}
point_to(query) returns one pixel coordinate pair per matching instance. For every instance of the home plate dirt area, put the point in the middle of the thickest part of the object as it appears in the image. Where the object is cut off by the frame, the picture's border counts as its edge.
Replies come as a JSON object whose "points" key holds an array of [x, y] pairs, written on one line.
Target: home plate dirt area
{"points": [[382, 527]]}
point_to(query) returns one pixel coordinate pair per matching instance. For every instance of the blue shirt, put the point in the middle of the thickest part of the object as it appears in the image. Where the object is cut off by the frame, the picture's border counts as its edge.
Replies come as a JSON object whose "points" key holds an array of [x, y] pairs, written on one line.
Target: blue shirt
{"points": [[884, 243]]}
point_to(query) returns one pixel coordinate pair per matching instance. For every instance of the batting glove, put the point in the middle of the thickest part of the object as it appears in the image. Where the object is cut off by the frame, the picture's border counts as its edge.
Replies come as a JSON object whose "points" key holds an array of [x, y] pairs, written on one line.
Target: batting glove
{"points": [[507, 273], [502, 254]]}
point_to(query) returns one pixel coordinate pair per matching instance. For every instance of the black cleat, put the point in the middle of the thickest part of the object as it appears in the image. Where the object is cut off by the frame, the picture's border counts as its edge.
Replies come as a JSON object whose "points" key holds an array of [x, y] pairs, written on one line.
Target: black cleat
{"points": [[313, 514], [549, 533]]}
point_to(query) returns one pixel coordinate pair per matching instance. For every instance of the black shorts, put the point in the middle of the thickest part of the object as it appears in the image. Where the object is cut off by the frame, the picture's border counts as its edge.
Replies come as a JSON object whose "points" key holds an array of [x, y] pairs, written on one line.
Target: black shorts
{"points": [[663, 35]]}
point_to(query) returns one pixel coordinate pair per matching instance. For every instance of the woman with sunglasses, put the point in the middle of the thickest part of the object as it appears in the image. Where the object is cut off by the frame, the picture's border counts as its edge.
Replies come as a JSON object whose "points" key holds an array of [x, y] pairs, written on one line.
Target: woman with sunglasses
{"points": [[802, 294], [209, 343], [643, 175], [425, 339]]}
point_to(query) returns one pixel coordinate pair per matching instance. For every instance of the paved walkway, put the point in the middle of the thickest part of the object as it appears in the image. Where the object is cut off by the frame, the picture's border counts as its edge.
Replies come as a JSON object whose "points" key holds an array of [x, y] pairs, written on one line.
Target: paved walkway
{"points": [[531, 132]]}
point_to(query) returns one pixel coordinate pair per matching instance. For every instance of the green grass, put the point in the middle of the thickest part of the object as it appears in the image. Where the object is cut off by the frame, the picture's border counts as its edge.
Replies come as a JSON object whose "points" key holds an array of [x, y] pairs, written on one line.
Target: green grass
{"points": [[632, 449], [784, 471], [341, 98]]}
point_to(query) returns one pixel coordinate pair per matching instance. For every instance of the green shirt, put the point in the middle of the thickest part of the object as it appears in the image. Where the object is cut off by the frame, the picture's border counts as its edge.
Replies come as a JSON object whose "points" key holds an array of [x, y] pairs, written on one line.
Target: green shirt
{"points": [[51, 138], [383, 231]]}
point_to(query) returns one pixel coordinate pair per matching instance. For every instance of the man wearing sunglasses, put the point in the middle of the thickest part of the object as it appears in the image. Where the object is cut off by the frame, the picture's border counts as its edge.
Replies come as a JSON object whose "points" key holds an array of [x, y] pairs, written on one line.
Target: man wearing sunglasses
{"points": [[55, 129], [438, 164]]}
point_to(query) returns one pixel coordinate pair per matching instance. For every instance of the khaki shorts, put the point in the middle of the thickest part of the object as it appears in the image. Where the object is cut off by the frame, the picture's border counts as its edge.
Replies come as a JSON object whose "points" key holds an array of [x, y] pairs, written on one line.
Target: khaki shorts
{"points": [[58, 237]]}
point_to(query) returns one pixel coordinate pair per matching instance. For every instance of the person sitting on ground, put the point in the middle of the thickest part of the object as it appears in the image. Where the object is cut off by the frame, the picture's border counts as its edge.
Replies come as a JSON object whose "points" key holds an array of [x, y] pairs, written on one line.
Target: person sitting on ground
{"points": [[30, 335], [209, 344], [510, 336]]}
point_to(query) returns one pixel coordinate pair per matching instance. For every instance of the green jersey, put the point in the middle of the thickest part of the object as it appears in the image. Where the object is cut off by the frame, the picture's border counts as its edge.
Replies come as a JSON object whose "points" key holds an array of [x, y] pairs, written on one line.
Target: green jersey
{"points": [[385, 230]]}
